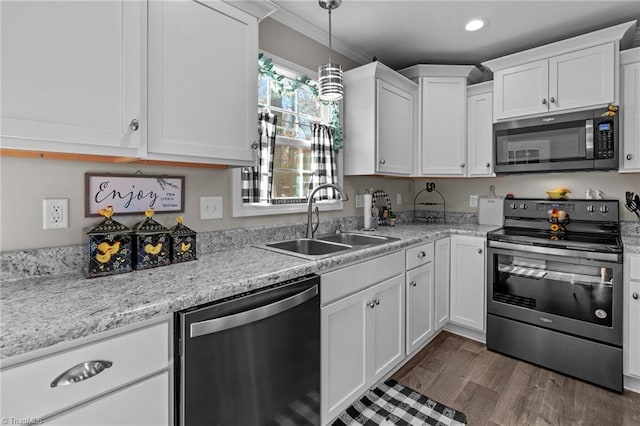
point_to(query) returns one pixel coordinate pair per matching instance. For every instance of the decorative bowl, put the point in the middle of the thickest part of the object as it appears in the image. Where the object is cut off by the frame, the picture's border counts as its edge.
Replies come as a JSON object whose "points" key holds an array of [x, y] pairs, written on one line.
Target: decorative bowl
{"points": [[558, 193]]}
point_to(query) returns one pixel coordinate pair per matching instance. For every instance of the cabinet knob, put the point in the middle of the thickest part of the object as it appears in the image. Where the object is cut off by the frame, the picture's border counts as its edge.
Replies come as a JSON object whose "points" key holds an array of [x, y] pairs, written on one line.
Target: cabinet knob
{"points": [[480, 251], [383, 162], [552, 100], [462, 165], [629, 156], [635, 296], [421, 255], [544, 101], [371, 304], [413, 283], [488, 165], [134, 125], [254, 145], [377, 301]]}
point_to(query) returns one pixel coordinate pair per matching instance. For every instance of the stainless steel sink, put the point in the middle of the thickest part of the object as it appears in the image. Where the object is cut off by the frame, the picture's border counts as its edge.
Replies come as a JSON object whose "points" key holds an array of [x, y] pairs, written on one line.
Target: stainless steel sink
{"points": [[355, 239], [326, 245]]}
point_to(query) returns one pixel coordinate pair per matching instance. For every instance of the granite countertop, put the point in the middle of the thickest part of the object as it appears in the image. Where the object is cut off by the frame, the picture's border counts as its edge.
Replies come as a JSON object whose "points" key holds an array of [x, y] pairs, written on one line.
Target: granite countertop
{"points": [[40, 312]]}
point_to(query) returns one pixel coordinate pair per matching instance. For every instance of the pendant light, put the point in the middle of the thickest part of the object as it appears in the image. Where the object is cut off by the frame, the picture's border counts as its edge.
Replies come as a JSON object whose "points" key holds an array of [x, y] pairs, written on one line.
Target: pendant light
{"points": [[330, 75]]}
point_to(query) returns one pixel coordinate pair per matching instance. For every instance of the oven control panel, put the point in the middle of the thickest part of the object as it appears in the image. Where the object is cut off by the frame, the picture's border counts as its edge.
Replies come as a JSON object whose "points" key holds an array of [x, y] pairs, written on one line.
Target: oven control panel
{"points": [[588, 210]]}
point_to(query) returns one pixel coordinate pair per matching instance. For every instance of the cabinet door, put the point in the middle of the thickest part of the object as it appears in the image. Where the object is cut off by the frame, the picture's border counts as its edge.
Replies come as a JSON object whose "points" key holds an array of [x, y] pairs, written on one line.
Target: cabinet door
{"points": [[630, 117], [144, 403], [468, 282], [73, 76], [202, 82], [441, 281], [343, 347], [420, 324], [480, 134], [521, 90], [386, 328], [633, 324], [584, 78], [394, 117], [444, 123]]}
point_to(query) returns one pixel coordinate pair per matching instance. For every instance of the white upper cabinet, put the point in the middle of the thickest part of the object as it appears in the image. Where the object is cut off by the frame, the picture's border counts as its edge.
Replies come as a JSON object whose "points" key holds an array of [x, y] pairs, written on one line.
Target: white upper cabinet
{"points": [[442, 119], [202, 82], [480, 130], [630, 110], [379, 129], [573, 74], [74, 76]]}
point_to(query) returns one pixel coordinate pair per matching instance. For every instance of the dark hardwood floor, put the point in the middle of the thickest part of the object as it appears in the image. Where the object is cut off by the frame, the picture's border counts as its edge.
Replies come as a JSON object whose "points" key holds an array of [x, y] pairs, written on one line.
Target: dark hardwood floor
{"points": [[493, 389]]}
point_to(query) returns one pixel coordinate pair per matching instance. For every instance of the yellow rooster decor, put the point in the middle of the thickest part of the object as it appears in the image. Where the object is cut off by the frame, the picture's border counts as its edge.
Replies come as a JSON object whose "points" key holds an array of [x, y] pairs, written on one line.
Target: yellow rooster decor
{"points": [[152, 243], [109, 247], [183, 242]]}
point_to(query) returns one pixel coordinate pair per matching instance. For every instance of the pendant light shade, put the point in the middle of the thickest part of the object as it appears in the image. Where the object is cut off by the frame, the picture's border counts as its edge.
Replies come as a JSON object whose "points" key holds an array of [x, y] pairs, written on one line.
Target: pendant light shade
{"points": [[330, 83]]}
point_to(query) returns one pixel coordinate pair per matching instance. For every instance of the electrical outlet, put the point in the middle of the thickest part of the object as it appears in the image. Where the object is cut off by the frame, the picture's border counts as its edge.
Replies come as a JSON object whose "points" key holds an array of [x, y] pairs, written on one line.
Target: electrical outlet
{"points": [[473, 201], [55, 213], [398, 199], [359, 201], [210, 207]]}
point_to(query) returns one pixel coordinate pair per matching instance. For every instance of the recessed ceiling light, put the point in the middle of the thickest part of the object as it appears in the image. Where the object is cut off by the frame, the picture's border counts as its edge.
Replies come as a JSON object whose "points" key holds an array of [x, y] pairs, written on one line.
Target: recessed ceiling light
{"points": [[475, 24]]}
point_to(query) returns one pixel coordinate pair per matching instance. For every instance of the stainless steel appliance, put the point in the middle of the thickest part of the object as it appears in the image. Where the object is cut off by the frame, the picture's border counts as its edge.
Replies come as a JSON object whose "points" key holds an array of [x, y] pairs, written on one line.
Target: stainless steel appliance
{"points": [[252, 359], [584, 140], [554, 287]]}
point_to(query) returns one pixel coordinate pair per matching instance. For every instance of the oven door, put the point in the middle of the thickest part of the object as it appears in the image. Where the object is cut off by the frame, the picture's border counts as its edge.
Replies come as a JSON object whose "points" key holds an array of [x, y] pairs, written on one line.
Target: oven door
{"points": [[557, 289]]}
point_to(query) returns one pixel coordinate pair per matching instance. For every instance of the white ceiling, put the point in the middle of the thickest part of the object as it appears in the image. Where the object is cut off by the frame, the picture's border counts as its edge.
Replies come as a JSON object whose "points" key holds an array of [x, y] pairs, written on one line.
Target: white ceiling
{"points": [[402, 33]]}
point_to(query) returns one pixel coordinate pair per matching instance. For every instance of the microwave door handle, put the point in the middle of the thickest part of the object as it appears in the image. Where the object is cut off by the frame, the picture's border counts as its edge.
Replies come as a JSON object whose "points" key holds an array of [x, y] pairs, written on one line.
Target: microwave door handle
{"points": [[588, 128]]}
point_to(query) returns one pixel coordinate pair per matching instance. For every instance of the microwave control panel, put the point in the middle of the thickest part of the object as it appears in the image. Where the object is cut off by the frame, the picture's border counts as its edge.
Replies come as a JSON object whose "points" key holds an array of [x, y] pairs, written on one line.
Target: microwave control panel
{"points": [[604, 137]]}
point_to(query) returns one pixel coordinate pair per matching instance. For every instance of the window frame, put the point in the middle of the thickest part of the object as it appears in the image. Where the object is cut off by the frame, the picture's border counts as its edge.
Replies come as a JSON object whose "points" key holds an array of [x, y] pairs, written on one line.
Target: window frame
{"points": [[239, 209]]}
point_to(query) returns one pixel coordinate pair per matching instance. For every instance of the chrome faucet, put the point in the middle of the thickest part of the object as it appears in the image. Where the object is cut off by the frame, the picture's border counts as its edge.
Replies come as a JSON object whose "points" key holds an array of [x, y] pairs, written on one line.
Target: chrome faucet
{"points": [[343, 195]]}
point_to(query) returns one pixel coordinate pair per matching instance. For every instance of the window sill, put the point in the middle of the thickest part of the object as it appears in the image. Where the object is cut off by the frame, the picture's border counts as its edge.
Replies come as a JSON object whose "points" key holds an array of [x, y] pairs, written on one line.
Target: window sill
{"points": [[246, 210]]}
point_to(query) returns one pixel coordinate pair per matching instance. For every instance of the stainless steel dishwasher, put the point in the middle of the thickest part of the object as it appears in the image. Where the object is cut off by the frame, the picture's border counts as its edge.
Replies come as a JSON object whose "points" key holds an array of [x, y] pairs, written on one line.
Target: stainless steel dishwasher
{"points": [[253, 359]]}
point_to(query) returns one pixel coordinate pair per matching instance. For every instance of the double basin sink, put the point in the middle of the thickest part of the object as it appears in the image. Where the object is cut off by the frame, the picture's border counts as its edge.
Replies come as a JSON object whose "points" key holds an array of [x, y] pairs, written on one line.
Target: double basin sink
{"points": [[327, 245]]}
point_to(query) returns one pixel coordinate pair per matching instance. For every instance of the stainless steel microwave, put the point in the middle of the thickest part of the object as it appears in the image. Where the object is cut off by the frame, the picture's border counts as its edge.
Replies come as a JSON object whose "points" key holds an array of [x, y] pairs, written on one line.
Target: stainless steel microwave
{"points": [[584, 140]]}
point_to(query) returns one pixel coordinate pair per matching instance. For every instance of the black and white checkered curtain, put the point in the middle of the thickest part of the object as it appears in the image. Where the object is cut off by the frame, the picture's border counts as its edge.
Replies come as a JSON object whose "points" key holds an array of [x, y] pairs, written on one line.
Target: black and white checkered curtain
{"points": [[323, 162], [257, 182]]}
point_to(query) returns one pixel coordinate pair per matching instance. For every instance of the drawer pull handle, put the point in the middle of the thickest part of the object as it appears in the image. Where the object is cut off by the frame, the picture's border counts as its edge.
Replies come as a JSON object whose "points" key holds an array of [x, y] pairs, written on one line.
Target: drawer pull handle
{"points": [[80, 372], [421, 255], [635, 296]]}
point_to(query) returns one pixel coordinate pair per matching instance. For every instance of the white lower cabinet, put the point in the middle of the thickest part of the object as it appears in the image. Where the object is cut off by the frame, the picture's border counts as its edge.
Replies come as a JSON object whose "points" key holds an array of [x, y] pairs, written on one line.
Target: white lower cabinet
{"points": [[467, 289], [362, 333], [420, 298], [632, 315], [442, 258], [116, 378], [144, 403]]}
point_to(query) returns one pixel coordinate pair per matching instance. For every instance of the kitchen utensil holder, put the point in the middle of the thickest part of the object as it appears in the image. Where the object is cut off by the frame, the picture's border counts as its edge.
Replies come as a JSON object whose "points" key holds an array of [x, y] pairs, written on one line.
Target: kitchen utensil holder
{"points": [[430, 188]]}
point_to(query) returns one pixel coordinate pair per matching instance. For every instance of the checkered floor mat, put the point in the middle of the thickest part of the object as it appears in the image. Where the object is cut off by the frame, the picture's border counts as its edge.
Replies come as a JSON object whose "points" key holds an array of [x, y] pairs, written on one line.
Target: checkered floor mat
{"points": [[390, 403]]}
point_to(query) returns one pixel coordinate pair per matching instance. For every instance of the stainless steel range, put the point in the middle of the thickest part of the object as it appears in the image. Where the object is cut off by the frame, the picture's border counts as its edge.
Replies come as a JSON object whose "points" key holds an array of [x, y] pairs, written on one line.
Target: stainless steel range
{"points": [[554, 295]]}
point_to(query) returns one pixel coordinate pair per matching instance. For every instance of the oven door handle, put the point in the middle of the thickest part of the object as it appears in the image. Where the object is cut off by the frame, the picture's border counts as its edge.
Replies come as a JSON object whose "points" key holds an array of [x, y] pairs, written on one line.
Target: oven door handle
{"points": [[610, 257]]}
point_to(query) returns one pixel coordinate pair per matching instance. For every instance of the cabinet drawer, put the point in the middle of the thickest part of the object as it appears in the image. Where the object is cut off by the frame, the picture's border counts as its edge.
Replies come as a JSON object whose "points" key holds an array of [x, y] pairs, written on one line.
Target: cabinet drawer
{"points": [[634, 267], [338, 284], [419, 255], [27, 391]]}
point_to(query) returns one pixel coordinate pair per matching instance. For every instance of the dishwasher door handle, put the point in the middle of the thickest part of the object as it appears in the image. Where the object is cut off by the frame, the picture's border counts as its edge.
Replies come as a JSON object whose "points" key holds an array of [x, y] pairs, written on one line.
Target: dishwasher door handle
{"points": [[224, 323]]}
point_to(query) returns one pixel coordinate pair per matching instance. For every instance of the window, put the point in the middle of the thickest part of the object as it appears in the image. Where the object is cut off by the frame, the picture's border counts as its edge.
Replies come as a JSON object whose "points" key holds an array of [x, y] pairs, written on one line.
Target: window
{"points": [[296, 111]]}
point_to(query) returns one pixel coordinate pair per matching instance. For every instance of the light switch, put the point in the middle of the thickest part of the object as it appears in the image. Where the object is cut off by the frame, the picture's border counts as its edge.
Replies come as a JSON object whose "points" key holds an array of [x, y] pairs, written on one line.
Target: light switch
{"points": [[211, 208]]}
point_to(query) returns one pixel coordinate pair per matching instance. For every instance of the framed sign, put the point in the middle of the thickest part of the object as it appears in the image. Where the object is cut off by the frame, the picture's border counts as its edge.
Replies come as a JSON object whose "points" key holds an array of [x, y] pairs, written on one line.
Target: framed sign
{"points": [[133, 194]]}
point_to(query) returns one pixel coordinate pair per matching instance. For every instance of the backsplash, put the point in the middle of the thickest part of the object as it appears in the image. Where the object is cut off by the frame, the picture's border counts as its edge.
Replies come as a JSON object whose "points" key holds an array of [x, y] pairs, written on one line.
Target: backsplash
{"points": [[45, 262]]}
